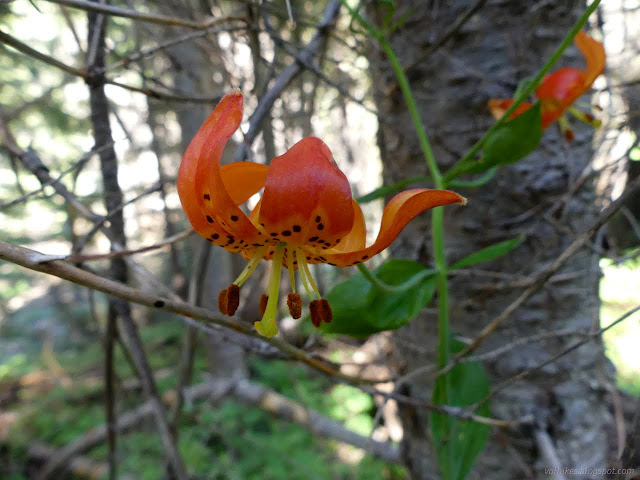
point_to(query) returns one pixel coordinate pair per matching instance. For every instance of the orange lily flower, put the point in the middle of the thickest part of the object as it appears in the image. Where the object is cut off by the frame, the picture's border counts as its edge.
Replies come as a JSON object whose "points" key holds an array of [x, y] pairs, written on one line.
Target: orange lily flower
{"points": [[306, 213], [559, 90]]}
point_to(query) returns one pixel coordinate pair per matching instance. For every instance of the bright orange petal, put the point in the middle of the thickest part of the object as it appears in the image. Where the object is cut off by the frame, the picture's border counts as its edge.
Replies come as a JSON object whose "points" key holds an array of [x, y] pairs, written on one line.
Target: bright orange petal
{"points": [[243, 179], [306, 196], [563, 85], [594, 55], [402, 208], [212, 211], [357, 237]]}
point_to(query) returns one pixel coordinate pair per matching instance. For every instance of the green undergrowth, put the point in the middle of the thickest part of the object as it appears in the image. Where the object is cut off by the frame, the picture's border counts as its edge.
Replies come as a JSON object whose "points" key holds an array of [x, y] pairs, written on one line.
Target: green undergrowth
{"points": [[228, 440]]}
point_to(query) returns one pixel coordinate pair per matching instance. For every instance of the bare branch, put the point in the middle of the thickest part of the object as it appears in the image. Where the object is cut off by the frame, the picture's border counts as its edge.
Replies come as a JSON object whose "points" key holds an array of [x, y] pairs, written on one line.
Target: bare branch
{"points": [[140, 16], [33, 260], [151, 92]]}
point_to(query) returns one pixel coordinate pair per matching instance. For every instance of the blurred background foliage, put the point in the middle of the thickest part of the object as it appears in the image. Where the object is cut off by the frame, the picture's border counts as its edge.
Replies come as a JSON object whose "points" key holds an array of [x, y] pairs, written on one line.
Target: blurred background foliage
{"points": [[50, 350]]}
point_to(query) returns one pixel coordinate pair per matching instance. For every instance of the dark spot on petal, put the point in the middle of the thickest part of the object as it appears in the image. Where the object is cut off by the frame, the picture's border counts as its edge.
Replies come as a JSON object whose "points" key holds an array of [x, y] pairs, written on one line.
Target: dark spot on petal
{"points": [[209, 219], [297, 228], [318, 219], [364, 257], [337, 241], [286, 233], [234, 218], [158, 303], [231, 239], [215, 236], [313, 239], [273, 234], [332, 264], [320, 226], [206, 196]]}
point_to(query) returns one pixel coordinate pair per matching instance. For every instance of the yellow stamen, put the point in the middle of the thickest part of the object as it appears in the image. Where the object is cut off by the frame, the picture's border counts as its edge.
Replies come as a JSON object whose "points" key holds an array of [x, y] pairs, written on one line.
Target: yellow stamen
{"points": [[302, 262], [585, 117], [307, 272], [292, 271], [565, 127], [267, 326], [251, 266]]}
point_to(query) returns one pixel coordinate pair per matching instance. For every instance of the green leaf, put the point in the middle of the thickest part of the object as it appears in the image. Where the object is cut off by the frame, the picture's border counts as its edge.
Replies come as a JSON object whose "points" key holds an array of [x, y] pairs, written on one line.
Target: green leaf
{"points": [[510, 142], [459, 442], [361, 309], [476, 182], [489, 253], [514, 139]]}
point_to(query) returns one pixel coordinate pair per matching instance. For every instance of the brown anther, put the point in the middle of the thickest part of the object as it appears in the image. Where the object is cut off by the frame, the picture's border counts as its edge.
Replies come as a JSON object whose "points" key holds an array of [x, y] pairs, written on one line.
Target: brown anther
{"points": [[590, 118], [263, 303], [327, 313], [222, 301], [294, 302], [320, 311], [233, 299], [569, 135]]}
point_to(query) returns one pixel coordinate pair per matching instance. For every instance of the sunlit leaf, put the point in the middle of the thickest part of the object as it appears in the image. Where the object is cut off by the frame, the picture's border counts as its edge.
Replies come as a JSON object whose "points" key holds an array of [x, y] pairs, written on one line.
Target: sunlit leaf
{"points": [[361, 309]]}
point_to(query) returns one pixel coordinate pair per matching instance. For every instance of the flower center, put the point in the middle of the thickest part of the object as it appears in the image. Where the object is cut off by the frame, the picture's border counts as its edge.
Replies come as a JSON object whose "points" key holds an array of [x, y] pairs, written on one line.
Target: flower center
{"points": [[295, 259]]}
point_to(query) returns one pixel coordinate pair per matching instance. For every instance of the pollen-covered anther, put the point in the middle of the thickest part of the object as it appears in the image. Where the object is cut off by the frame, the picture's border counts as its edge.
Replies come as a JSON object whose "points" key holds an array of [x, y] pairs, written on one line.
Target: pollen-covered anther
{"points": [[294, 302], [263, 303], [232, 299], [222, 301], [569, 135], [320, 311]]}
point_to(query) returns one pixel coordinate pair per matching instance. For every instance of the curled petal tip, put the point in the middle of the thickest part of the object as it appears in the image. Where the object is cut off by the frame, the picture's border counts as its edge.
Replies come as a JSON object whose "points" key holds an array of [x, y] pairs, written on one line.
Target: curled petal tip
{"points": [[463, 201]]}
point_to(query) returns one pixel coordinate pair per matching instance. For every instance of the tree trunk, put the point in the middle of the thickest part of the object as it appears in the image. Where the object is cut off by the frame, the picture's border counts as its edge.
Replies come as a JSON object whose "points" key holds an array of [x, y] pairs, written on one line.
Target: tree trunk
{"points": [[501, 44]]}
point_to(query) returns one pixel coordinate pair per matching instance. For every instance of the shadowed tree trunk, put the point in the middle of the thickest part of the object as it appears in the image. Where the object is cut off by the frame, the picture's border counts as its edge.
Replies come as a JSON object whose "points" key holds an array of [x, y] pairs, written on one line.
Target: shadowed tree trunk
{"points": [[501, 44]]}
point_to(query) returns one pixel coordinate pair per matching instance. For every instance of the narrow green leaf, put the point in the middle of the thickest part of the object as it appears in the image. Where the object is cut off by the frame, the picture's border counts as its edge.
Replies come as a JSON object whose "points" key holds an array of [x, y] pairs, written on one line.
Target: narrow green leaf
{"points": [[476, 182], [490, 253], [459, 442], [361, 309]]}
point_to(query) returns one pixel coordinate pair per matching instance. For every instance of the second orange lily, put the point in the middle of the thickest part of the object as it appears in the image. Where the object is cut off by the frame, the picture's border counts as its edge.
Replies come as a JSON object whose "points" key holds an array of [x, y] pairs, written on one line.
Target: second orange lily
{"points": [[306, 213], [559, 90]]}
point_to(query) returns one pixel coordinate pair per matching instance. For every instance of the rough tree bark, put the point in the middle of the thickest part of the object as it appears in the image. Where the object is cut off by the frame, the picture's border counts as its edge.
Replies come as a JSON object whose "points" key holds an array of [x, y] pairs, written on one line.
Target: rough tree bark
{"points": [[501, 44]]}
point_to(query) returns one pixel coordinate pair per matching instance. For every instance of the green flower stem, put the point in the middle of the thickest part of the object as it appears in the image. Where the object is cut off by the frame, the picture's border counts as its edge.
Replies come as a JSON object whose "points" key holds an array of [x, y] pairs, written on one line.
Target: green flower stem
{"points": [[532, 85], [437, 228], [385, 287]]}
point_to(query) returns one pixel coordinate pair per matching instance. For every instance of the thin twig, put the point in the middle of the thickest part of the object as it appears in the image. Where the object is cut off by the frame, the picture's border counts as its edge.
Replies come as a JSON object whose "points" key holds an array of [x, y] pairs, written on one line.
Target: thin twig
{"points": [[285, 78], [33, 260], [80, 244], [77, 165], [140, 16], [151, 92]]}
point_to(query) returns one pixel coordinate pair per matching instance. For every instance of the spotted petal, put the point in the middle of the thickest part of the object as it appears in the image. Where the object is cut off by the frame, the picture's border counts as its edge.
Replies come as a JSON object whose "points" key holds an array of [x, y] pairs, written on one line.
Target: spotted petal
{"points": [[306, 196], [210, 195], [402, 208]]}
